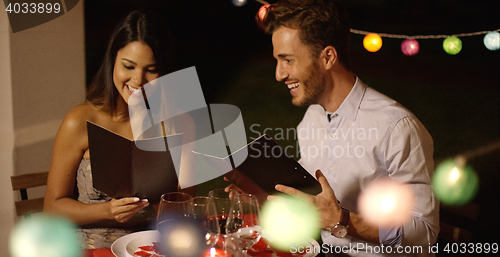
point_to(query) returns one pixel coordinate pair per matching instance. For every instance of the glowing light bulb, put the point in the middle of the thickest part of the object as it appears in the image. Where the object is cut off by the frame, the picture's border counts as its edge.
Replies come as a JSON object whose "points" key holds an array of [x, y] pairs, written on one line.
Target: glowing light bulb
{"points": [[387, 204], [454, 184], [377, 203], [454, 175], [372, 42], [410, 47], [239, 2], [263, 11], [452, 45], [286, 220], [492, 40]]}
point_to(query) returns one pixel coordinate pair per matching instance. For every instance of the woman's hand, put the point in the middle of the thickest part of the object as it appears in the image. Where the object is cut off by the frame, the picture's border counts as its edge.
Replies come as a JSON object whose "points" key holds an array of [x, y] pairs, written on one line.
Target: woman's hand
{"points": [[124, 209]]}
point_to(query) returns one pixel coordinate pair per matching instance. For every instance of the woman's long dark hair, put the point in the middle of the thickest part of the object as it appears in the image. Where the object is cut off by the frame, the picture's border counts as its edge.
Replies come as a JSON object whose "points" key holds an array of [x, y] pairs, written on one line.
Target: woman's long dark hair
{"points": [[142, 26]]}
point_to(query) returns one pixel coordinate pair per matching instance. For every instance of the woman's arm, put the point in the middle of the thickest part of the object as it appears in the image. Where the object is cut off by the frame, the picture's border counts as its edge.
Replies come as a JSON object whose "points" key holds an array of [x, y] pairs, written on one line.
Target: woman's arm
{"points": [[70, 145]]}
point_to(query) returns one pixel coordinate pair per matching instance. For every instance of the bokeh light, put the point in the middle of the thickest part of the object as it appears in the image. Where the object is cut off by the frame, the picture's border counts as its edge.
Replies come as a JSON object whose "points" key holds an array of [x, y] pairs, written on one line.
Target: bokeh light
{"points": [[45, 236], [372, 42], [239, 2], [182, 238], [410, 47], [262, 11], [452, 45], [492, 40], [286, 220], [455, 183], [386, 203]]}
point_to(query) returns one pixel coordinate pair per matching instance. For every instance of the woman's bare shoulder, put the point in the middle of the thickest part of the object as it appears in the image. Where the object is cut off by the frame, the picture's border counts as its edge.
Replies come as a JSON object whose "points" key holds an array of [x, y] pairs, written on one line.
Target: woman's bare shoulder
{"points": [[76, 119]]}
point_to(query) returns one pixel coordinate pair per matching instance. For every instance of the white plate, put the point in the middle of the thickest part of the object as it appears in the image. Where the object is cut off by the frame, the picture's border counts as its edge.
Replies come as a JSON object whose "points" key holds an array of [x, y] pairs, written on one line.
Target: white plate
{"points": [[126, 246]]}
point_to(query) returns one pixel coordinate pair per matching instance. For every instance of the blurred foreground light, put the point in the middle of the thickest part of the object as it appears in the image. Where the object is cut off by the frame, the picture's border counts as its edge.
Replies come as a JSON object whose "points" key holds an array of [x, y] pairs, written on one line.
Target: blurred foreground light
{"points": [[454, 182], [410, 47], [492, 40], [372, 42], [386, 203], [239, 2], [287, 220], [45, 236], [181, 238], [452, 45]]}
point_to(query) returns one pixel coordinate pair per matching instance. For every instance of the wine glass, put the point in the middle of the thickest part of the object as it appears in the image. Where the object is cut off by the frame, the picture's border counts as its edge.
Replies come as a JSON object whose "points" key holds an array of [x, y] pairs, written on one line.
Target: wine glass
{"points": [[243, 221], [222, 202], [205, 215], [173, 207]]}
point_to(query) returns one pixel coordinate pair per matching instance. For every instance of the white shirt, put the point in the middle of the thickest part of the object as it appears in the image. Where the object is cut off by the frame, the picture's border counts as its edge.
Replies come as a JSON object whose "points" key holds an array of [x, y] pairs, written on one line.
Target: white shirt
{"points": [[371, 136]]}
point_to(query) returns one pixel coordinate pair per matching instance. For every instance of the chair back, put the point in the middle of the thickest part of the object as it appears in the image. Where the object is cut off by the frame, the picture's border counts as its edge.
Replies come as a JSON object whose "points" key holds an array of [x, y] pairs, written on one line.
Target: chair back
{"points": [[458, 222], [22, 183]]}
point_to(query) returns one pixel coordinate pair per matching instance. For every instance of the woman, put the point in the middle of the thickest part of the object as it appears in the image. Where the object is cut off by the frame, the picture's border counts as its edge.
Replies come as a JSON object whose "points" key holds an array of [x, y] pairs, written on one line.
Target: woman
{"points": [[139, 51]]}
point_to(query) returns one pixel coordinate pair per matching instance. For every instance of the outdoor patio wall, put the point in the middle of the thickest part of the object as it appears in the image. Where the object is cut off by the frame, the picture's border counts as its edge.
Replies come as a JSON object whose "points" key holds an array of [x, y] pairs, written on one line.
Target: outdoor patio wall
{"points": [[42, 76]]}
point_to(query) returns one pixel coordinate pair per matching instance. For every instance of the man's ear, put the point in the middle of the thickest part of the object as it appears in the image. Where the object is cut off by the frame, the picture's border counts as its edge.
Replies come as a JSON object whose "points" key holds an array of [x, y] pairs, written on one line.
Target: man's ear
{"points": [[329, 57]]}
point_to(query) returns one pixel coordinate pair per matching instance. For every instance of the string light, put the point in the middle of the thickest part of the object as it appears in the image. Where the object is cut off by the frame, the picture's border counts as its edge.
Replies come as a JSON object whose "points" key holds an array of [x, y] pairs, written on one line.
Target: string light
{"points": [[372, 42], [262, 11], [286, 220], [386, 203], [410, 47], [452, 45], [456, 183], [491, 39], [239, 2], [44, 236]]}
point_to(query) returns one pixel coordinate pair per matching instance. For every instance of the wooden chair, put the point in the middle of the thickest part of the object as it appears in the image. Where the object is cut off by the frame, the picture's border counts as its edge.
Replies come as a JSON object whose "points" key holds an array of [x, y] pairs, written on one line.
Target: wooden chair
{"points": [[458, 223], [22, 183]]}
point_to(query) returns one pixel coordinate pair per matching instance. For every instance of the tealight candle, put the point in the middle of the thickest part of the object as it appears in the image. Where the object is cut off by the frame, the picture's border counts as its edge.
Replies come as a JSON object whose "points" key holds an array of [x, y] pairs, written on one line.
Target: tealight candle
{"points": [[214, 252]]}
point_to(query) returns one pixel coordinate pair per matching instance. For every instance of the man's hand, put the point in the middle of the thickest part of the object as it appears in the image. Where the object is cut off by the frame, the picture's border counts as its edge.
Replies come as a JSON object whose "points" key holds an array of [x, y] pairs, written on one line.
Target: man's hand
{"points": [[326, 202], [233, 187]]}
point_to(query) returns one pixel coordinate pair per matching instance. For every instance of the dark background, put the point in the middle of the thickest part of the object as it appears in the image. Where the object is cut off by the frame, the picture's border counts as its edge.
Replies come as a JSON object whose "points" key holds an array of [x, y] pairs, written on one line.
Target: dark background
{"points": [[455, 97]]}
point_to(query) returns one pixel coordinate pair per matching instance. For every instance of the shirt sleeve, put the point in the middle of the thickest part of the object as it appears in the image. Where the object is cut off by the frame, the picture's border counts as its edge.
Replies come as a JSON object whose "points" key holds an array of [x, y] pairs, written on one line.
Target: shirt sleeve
{"points": [[409, 159]]}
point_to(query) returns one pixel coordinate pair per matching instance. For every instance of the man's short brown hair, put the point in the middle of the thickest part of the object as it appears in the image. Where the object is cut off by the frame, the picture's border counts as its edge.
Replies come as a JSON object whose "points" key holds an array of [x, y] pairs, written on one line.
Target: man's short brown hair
{"points": [[321, 23]]}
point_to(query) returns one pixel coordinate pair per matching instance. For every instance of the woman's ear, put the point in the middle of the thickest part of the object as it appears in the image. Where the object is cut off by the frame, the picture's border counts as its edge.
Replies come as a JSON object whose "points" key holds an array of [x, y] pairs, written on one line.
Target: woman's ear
{"points": [[329, 57]]}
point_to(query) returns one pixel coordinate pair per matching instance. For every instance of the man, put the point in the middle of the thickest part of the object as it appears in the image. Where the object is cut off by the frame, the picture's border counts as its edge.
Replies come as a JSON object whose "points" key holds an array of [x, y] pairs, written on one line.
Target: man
{"points": [[357, 135]]}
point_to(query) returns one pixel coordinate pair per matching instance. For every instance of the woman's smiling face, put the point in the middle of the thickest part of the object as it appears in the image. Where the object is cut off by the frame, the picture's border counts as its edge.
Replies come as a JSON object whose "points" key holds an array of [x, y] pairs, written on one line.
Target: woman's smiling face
{"points": [[135, 66]]}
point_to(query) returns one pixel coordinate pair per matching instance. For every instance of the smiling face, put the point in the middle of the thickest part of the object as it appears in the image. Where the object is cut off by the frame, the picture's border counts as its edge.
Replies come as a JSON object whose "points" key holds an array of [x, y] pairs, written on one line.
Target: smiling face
{"points": [[135, 66], [297, 67]]}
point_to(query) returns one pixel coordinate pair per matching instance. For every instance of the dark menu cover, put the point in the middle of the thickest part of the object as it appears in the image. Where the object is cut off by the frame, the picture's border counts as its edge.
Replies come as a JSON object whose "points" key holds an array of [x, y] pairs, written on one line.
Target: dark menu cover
{"points": [[121, 169], [266, 165]]}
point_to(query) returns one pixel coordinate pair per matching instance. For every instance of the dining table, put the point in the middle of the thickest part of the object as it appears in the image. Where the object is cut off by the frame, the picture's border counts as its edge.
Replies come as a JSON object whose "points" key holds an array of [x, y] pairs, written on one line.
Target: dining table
{"points": [[101, 252], [260, 249]]}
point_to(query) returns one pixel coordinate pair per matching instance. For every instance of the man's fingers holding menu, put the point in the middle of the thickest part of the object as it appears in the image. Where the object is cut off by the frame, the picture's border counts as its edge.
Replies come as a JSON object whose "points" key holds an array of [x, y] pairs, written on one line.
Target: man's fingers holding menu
{"points": [[292, 191], [325, 186], [233, 187]]}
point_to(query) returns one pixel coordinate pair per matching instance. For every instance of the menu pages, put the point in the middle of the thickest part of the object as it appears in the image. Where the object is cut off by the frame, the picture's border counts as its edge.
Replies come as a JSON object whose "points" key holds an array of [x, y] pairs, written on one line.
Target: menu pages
{"points": [[121, 169], [266, 165]]}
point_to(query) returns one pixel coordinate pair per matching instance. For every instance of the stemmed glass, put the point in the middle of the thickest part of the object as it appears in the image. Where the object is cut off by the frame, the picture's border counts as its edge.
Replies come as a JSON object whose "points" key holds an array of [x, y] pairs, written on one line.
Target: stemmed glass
{"points": [[243, 221], [173, 207], [222, 202], [205, 215]]}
